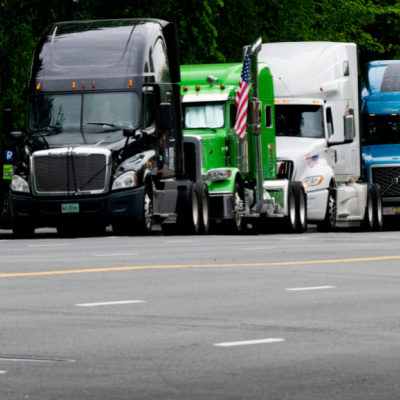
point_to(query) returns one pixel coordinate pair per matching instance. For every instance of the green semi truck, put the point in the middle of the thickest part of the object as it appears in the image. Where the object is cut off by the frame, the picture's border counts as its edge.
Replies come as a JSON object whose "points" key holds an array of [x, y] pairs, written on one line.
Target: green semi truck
{"points": [[241, 174]]}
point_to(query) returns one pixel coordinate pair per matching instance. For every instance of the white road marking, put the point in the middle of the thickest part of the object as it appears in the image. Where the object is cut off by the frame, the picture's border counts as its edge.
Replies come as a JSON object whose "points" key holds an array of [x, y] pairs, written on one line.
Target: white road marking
{"points": [[181, 241], [298, 289], [374, 245], [115, 254], [110, 303], [48, 245], [248, 342], [256, 248], [3, 372]]}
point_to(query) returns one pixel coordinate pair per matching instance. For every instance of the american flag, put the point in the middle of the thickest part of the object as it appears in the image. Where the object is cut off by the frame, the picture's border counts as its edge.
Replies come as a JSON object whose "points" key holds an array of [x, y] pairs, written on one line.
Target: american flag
{"points": [[242, 97]]}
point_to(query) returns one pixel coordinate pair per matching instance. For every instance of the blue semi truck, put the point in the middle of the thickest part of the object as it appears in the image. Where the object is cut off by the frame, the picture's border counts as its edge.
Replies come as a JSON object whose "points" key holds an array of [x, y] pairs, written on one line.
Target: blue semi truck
{"points": [[381, 131]]}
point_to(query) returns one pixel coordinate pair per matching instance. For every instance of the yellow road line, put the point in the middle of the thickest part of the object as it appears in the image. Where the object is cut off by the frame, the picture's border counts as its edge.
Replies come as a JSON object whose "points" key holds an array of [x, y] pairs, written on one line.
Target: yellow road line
{"points": [[265, 264]]}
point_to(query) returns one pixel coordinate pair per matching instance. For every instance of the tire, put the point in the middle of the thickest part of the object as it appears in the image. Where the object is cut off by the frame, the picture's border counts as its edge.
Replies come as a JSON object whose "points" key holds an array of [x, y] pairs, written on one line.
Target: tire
{"points": [[329, 222], [203, 199], [23, 230], [301, 207], [189, 211], [368, 221], [145, 224], [235, 226], [376, 197], [291, 220]]}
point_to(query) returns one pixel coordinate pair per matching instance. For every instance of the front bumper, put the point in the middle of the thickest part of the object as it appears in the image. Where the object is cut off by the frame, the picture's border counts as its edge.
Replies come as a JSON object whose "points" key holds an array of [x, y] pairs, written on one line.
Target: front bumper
{"points": [[41, 212]]}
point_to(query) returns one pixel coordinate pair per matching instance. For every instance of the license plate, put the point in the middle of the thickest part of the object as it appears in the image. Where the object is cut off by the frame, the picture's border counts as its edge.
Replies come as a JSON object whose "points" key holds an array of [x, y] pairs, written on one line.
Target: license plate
{"points": [[391, 210], [69, 208]]}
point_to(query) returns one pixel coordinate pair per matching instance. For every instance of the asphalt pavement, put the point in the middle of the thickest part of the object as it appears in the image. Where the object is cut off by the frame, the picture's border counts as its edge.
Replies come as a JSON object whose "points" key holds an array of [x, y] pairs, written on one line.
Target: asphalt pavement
{"points": [[275, 316]]}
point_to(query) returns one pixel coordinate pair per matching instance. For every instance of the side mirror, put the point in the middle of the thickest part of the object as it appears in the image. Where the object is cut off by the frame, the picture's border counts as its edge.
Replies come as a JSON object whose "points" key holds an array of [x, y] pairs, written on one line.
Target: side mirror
{"points": [[128, 132], [348, 128], [165, 117]]}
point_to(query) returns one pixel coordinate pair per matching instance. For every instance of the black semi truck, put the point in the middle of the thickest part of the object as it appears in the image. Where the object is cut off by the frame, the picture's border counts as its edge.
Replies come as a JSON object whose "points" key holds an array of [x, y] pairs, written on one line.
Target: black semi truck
{"points": [[104, 141]]}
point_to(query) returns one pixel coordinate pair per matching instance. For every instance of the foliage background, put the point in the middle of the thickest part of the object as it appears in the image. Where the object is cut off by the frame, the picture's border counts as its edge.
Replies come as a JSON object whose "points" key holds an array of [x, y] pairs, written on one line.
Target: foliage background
{"points": [[209, 30]]}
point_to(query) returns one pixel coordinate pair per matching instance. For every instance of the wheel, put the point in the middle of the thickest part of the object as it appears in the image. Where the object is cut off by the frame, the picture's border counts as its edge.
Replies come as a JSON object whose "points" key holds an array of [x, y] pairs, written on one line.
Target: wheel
{"points": [[301, 206], [376, 200], [203, 199], [291, 220], [22, 230], [145, 224], [368, 221], [235, 226], [329, 222], [191, 223]]}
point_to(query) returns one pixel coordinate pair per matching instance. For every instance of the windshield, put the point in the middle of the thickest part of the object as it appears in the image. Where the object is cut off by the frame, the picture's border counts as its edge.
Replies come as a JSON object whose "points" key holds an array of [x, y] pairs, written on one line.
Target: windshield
{"points": [[204, 115], [299, 120], [103, 113], [383, 129]]}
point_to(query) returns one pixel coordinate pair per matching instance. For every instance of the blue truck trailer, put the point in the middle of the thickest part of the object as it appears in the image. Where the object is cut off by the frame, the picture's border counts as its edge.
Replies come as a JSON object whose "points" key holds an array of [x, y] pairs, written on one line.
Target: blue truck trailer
{"points": [[381, 131]]}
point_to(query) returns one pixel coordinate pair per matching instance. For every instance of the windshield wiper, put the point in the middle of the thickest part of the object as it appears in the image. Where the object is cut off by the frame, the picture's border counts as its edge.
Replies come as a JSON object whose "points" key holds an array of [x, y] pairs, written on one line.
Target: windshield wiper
{"points": [[48, 130], [106, 124]]}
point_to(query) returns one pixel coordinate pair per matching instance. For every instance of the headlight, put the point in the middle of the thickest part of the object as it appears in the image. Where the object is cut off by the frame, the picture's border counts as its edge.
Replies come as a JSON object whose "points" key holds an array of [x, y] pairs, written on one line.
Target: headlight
{"points": [[19, 184], [218, 174], [126, 180], [312, 180]]}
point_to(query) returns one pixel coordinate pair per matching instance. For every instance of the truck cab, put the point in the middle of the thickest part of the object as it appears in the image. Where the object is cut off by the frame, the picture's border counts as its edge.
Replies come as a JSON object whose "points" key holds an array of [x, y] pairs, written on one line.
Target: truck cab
{"points": [[380, 114], [104, 140], [318, 133], [241, 173]]}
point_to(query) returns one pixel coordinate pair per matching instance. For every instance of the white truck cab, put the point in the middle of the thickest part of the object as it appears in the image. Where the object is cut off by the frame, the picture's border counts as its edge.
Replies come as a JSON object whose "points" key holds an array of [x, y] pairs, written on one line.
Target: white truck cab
{"points": [[317, 130]]}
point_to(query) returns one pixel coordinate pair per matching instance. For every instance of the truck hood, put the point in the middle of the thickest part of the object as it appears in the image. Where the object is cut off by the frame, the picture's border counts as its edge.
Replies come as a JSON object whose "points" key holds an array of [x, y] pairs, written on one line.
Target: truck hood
{"points": [[298, 148]]}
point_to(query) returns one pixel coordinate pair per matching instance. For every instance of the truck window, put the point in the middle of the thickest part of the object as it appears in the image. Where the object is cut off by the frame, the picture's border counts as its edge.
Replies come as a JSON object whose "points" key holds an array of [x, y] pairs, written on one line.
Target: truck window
{"points": [[204, 115], [299, 120], [49, 112], [114, 108], [329, 121], [59, 117], [148, 109], [232, 115], [381, 129], [268, 116]]}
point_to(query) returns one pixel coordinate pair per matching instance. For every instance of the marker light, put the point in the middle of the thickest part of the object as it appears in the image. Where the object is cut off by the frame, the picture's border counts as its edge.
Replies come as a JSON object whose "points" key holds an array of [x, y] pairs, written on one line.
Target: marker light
{"points": [[372, 115], [222, 86], [286, 101], [73, 85], [394, 114], [185, 88], [197, 87], [130, 83], [276, 101], [93, 84], [315, 101], [83, 85], [38, 86]]}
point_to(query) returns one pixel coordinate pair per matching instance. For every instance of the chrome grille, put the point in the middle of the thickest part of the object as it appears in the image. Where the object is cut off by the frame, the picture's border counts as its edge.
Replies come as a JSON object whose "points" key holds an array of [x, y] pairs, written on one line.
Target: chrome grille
{"points": [[389, 180], [78, 171]]}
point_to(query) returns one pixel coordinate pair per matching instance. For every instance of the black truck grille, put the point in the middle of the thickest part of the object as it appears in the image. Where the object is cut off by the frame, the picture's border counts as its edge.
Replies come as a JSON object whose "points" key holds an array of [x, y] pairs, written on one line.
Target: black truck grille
{"points": [[389, 180], [69, 173]]}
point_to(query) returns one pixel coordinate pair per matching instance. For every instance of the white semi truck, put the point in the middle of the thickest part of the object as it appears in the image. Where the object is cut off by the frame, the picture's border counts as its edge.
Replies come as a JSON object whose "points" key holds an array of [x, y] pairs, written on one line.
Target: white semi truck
{"points": [[317, 131]]}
